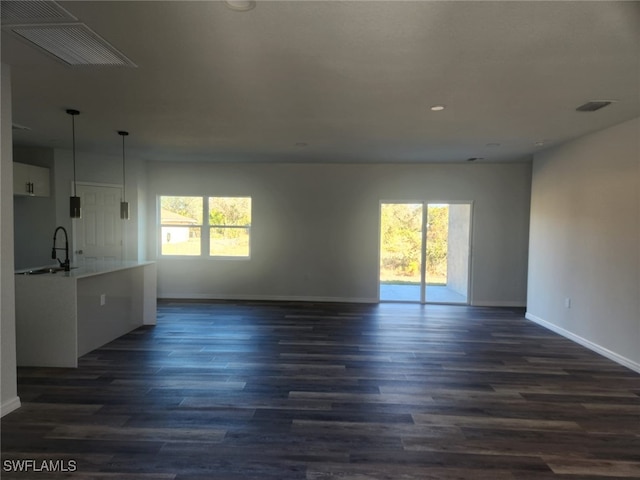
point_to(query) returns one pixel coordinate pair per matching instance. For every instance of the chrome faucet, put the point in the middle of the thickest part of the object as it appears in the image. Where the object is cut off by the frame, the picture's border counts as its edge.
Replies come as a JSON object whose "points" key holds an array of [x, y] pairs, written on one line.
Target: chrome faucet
{"points": [[66, 265]]}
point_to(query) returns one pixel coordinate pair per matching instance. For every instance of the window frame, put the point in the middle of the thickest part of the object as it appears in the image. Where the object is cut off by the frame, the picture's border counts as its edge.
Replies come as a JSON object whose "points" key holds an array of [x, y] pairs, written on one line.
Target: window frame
{"points": [[244, 227], [205, 229]]}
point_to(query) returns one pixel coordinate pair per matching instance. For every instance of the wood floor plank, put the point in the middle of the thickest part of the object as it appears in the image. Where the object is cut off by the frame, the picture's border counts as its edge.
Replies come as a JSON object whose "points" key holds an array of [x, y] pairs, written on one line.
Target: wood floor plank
{"points": [[582, 467], [329, 391], [127, 433]]}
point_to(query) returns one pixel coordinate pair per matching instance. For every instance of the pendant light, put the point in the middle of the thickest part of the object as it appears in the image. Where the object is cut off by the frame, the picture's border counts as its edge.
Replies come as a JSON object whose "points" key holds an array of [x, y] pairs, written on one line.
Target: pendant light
{"points": [[124, 205], [74, 201]]}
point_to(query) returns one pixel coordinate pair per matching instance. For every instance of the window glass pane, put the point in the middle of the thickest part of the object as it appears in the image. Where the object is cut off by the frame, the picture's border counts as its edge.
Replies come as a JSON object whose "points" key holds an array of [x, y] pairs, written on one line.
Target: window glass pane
{"points": [[400, 243], [229, 242], [181, 210], [234, 211], [180, 240]]}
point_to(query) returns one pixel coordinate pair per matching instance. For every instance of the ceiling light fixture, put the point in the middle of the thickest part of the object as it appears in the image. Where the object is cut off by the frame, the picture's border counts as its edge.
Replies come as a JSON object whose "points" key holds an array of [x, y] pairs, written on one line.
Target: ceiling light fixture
{"points": [[74, 201], [437, 108], [240, 5], [124, 205]]}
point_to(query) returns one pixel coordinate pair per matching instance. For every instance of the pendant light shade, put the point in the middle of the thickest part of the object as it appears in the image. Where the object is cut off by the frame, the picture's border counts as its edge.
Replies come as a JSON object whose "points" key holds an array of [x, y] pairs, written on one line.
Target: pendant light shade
{"points": [[124, 205], [74, 201]]}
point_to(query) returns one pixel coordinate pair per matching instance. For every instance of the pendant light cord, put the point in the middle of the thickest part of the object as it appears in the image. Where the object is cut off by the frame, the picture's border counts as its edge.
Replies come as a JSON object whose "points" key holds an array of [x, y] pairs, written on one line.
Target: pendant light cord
{"points": [[123, 134], [73, 137], [73, 114], [123, 175]]}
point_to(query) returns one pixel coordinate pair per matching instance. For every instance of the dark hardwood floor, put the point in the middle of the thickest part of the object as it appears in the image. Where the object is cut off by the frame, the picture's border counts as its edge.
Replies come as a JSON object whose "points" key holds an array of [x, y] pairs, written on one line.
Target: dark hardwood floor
{"points": [[279, 391]]}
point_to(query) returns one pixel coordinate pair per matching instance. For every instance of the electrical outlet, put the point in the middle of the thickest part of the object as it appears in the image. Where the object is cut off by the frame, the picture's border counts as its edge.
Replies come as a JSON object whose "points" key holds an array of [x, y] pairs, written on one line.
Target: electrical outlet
{"points": [[567, 302], [103, 299]]}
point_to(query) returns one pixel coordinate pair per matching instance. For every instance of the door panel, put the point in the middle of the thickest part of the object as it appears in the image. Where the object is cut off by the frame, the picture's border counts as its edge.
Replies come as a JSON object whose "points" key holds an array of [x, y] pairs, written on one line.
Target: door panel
{"points": [[401, 242], [447, 252], [98, 233]]}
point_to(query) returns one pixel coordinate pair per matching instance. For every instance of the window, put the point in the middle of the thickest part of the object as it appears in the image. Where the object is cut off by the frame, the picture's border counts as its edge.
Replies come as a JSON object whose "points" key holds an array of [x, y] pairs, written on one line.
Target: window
{"points": [[205, 226], [181, 225], [229, 225]]}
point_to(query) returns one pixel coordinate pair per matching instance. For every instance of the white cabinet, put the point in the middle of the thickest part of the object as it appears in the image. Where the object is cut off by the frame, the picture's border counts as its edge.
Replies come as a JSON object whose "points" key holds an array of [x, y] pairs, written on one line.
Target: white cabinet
{"points": [[30, 180]]}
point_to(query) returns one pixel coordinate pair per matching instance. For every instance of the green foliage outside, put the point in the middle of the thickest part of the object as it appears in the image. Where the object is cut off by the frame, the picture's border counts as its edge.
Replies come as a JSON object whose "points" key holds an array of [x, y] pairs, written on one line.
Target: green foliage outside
{"points": [[228, 211], [400, 254], [437, 242], [401, 231], [188, 207], [229, 242]]}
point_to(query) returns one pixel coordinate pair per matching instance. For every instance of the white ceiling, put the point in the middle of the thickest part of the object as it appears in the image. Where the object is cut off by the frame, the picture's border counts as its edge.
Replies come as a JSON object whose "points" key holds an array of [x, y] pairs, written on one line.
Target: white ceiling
{"points": [[335, 81]]}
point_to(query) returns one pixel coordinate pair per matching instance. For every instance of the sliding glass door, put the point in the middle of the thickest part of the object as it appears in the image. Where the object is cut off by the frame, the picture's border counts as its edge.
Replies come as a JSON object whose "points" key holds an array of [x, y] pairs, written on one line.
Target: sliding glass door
{"points": [[401, 231], [424, 252]]}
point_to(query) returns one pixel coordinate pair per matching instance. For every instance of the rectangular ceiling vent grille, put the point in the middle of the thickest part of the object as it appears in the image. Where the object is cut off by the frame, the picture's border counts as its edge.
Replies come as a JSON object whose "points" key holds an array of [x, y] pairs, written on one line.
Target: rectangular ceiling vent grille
{"points": [[17, 126], [593, 106], [33, 11], [75, 44]]}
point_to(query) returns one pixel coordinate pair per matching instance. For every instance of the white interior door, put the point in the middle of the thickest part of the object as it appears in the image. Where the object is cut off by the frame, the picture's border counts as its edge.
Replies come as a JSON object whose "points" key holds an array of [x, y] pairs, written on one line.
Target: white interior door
{"points": [[98, 233]]}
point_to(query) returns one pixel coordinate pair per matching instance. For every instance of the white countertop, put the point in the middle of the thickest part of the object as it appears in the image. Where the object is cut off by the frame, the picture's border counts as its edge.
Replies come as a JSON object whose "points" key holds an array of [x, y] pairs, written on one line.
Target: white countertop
{"points": [[84, 271]]}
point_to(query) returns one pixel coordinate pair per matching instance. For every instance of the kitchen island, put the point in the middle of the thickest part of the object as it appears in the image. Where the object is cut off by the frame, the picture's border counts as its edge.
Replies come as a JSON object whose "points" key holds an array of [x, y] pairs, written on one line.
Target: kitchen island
{"points": [[64, 315]]}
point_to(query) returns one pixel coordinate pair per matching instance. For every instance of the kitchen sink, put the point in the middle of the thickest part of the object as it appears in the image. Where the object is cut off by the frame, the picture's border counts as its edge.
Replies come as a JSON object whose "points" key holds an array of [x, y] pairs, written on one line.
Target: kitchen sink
{"points": [[43, 271]]}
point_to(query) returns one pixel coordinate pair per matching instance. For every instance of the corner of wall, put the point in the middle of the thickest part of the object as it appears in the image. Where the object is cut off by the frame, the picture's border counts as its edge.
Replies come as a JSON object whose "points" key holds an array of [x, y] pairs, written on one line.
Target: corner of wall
{"points": [[8, 387]]}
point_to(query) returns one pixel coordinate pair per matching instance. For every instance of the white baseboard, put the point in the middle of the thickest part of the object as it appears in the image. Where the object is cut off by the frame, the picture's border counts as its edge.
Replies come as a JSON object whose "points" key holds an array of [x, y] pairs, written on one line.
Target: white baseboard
{"points": [[306, 298], [264, 298], [498, 303], [605, 352], [9, 406]]}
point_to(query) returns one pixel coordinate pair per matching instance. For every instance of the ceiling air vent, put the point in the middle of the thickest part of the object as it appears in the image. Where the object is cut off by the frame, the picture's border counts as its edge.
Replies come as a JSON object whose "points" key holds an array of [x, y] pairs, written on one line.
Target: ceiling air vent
{"points": [[33, 11], [593, 106], [75, 44]]}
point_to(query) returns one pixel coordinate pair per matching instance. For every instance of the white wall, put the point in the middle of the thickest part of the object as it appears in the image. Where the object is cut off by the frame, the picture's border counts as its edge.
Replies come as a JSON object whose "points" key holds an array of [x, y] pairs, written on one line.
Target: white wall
{"points": [[585, 241], [8, 381], [315, 227]]}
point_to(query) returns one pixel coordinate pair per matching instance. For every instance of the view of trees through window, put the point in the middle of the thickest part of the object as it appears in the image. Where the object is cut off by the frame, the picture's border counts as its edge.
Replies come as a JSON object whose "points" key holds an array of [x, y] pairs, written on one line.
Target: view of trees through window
{"points": [[182, 220], [401, 243], [230, 220], [437, 244]]}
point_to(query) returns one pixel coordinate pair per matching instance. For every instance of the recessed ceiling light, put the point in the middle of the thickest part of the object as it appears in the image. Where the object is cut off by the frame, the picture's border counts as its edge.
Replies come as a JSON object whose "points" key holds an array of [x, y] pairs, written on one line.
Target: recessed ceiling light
{"points": [[437, 108], [240, 5]]}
